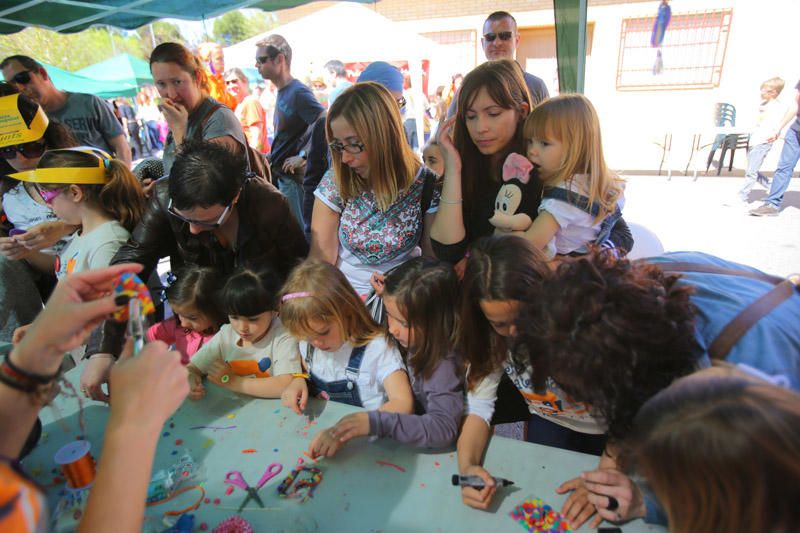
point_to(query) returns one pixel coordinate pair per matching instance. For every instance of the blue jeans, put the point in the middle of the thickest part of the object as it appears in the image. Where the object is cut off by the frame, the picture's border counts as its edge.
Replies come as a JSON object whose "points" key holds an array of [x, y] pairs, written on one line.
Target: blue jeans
{"points": [[783, 174], [293, 192], [541, 431], [755, 158]]}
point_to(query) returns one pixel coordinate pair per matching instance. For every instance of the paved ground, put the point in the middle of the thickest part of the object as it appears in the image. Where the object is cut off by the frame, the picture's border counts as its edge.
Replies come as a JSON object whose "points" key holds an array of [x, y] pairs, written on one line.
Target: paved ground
{"points": [[690, 215]]}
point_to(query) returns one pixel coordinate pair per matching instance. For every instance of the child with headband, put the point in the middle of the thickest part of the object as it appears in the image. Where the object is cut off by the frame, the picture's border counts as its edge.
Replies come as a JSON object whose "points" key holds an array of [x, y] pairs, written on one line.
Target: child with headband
{"points": [[254, 344], [347, 357], [421, 299], [85, 187]]}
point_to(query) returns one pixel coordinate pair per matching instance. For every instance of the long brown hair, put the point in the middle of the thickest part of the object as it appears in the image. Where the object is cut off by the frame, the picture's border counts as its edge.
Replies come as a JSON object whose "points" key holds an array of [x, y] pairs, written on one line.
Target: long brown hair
{"points": [[318, 291], [722, 454], [499, 268], [426, 292], [183, 57], [505, 84], [375, 116], [120, 198]]}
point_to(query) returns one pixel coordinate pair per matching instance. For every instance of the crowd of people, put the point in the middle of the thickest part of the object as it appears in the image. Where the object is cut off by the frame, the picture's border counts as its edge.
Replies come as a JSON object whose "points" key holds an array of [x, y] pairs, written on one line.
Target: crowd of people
{"points": [[486, 283]]}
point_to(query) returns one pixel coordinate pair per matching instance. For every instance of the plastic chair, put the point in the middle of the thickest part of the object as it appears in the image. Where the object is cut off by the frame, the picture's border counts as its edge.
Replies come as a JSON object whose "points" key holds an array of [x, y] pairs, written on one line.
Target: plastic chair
{"points": [[724, 115], [732, 142]]}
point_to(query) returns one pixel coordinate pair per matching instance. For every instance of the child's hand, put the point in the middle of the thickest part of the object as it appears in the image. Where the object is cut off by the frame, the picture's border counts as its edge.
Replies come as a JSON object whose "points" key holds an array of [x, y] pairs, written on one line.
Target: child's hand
{"points": [[325, 444], [295, 396], [378, 281], [479, 499], [196, 388], [217, 373], [19, 334], [351, 426]]}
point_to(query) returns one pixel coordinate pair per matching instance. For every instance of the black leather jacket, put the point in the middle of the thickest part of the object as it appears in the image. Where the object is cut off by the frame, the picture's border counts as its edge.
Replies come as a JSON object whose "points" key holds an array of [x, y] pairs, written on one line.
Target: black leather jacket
{"points": [[268, 235]]}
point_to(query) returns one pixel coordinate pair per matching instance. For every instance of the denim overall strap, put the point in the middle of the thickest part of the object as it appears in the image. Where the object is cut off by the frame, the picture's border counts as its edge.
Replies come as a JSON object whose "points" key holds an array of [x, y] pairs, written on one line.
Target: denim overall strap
{"points": [[582, 202], [342, 390]]}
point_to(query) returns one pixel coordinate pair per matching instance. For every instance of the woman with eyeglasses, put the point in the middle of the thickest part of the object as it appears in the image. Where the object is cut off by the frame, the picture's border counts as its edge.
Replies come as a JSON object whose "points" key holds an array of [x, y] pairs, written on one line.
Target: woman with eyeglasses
{"points": [[208, 213], [372, 210], [190, 112], [31, 233], [249, 111]]}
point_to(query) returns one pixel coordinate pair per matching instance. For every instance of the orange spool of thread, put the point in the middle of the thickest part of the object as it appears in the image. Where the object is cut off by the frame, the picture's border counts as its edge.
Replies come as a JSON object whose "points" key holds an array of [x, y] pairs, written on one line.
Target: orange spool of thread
{"points": [[77, 464]]}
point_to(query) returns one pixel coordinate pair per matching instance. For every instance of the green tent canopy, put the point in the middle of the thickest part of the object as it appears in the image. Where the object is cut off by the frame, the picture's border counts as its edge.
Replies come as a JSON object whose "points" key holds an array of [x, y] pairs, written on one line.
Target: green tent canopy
{"points": [[123, 68], [73, 82]]}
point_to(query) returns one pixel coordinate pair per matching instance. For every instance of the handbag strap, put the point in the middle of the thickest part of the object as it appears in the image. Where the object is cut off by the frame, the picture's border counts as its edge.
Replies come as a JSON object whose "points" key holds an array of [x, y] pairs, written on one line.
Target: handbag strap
{"points": [[734, 330]]}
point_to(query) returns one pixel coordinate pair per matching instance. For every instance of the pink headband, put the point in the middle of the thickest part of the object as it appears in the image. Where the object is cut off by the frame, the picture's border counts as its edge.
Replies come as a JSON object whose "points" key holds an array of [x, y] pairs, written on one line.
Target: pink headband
{"points": [[293, 295]]}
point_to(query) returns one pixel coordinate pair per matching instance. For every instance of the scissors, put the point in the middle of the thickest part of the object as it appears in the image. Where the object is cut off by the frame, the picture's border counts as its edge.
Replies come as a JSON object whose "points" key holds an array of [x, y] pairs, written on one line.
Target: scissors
{"points": [[234, 477]]}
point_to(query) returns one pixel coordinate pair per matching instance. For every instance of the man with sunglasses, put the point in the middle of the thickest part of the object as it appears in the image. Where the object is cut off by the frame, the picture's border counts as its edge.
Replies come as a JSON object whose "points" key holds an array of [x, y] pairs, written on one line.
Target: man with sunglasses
{"points": [[89, 117], [296, 110], [500, 41]]}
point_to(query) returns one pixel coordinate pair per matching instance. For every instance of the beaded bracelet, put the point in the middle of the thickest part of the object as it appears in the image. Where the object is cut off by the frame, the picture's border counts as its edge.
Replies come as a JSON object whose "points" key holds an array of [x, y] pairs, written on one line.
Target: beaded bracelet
{"points": [[24, 381], [38, 378]]}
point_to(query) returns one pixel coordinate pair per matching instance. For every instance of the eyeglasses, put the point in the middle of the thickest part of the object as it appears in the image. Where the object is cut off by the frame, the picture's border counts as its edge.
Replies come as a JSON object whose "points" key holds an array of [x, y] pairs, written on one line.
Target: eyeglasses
{"points": [[30, 150], [504, 36], [350, 148], [208, 226], [260, 60], [22, 78], [48, 195], [401, 101]]}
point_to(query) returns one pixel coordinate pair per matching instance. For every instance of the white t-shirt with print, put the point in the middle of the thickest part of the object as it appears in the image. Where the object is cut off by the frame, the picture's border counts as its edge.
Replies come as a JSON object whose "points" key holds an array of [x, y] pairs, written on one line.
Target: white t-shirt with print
{"points": [[277, 344], [554, 405], [92, 250], [380, 360], [24, 213]]}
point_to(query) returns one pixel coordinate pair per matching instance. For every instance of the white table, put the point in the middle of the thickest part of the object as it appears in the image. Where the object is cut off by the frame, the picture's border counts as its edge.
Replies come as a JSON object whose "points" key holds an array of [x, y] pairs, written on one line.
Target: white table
{"points": [[356, 494]]}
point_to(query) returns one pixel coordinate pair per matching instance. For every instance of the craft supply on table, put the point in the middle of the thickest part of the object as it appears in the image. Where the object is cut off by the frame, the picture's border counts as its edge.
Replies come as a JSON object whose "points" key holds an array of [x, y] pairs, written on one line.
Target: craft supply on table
{"points": [[292, 486], [234, 524], [234, 477], [535, 516], [77, 463], [477, 481], [164, 483]]}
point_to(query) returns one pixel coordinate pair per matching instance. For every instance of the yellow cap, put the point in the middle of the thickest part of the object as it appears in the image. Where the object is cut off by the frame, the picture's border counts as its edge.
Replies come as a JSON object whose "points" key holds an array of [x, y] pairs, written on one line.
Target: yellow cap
{"points": [[95, 175], [14, 129]]}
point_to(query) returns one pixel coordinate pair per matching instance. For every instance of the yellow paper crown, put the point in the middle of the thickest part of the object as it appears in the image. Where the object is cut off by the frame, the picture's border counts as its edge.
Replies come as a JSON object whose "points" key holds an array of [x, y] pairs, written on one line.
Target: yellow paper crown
{"points": [[14, 129], [95, 175]]}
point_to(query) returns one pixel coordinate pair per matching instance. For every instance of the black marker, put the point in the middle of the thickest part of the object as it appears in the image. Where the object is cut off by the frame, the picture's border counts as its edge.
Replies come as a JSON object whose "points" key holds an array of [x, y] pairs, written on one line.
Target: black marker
{"points": [[477, 482]]}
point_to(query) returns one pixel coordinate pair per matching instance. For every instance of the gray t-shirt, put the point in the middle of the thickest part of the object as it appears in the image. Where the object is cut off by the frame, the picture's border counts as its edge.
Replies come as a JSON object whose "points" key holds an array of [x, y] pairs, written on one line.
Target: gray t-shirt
{"points": [[221, 123], [91, 120]]}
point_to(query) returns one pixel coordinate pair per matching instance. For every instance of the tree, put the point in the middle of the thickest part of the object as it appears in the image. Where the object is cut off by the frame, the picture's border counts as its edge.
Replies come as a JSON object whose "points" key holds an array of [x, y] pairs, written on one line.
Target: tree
{"points": [[231, 28], [159, 32]]}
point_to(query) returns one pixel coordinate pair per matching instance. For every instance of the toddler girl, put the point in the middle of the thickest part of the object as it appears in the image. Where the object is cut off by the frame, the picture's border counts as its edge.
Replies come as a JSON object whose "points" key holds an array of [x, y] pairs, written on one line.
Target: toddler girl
{"points": [[582, 198], [255, 342], [85, 187], [194, 299], [421, 301], [347, 357]]}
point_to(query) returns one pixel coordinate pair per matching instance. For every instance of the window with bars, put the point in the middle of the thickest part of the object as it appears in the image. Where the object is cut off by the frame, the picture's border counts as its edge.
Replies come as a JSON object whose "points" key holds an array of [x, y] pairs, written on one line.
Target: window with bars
{"points": [[691, 55]]}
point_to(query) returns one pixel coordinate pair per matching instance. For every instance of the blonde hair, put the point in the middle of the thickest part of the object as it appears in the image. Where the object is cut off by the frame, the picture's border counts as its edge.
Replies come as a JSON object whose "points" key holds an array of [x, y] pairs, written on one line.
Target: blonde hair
{"points": [[572, 120], [120, 198], [775, 84], [720, 453], [318, 291], [373, 113]]}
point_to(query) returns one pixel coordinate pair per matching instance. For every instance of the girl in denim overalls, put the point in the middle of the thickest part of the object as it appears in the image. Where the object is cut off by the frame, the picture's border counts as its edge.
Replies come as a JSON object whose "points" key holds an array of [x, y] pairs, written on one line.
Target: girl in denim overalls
{"points": [[345, 354]]}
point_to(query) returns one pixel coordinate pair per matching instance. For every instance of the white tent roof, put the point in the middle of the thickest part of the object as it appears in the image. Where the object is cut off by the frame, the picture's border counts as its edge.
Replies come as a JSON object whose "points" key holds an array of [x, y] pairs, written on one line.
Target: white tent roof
{"points": [[346, 31]]}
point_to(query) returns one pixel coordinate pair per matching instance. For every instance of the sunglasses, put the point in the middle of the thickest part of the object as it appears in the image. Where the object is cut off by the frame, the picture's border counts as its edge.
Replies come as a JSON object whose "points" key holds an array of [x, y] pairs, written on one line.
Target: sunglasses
{"points": [[401, 101], [22, 78], [504, 36], [350, 148], [48, 195], [260, 60], [30, 150], [208, 226]]}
